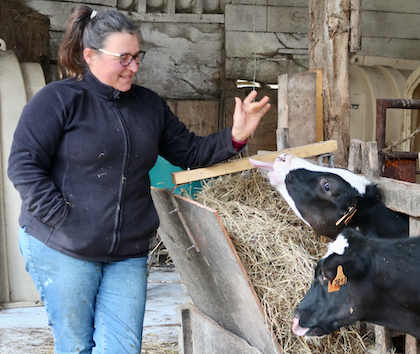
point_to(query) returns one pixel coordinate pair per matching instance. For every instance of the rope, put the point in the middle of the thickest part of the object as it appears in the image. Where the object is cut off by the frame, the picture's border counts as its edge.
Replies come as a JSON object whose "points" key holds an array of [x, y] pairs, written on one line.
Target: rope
{"points": [[391, 145]]}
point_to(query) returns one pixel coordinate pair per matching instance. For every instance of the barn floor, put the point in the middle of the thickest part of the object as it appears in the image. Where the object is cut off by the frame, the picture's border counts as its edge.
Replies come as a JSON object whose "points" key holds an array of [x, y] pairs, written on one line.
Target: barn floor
{"points": [[26, 331]]}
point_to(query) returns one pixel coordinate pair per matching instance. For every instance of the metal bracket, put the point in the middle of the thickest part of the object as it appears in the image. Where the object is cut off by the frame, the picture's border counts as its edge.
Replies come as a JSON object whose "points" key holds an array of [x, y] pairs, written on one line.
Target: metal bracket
{"points": [[329, 157], [181, 217]]}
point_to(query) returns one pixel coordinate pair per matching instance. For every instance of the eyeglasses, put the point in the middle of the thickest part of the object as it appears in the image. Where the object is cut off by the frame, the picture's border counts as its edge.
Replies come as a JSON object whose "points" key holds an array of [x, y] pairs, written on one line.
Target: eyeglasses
{"points": [[126, 59]]}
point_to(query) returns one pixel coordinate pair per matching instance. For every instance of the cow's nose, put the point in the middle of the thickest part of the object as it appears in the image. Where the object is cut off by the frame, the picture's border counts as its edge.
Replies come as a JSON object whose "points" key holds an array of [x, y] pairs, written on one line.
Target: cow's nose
{"points": [[282, 157]]}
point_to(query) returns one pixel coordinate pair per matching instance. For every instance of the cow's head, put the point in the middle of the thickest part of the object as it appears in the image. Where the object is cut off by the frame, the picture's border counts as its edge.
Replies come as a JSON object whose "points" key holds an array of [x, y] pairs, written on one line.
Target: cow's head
{"points": [[324, 308], [324, 198]]}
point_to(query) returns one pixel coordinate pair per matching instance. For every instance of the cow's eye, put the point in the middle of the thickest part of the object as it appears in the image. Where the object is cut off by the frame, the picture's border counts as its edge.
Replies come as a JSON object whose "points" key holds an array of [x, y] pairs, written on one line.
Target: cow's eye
{"points": [[327, 186], [322, 278]]}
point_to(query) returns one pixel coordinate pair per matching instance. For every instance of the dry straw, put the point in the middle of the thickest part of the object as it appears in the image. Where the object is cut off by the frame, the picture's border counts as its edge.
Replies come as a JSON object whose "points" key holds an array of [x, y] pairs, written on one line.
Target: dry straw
{"points": [[279, 253]]}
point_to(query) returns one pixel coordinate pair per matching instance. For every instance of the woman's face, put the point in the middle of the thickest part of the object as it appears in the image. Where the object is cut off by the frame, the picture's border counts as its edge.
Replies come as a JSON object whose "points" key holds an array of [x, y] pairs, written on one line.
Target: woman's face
{"points": [[107, 67]]}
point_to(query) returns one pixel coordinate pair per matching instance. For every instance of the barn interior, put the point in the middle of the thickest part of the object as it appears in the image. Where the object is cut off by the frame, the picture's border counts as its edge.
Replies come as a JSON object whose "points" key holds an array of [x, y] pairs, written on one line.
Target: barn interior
{"points": [[340, 76]]}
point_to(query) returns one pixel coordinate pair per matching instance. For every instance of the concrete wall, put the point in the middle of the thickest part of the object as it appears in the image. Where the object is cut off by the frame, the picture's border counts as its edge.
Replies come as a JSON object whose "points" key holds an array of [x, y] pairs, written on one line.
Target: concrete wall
{"points": [[194, 47], [189, 55], [391, 28]]}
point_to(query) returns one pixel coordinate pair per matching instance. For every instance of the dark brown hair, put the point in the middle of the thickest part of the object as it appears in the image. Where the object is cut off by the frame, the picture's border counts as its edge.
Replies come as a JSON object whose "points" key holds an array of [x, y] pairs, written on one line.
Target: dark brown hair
{"points": [[88, 29]]}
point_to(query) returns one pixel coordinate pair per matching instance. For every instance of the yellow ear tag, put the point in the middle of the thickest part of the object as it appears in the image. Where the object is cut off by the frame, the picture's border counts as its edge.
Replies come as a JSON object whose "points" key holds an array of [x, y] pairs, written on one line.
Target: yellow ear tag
{"points": [[340, 279]]}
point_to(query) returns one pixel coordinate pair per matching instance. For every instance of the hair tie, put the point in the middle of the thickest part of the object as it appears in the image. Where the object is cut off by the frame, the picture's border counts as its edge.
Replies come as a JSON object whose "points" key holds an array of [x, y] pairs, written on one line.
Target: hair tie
{"points": [[93, 14]]}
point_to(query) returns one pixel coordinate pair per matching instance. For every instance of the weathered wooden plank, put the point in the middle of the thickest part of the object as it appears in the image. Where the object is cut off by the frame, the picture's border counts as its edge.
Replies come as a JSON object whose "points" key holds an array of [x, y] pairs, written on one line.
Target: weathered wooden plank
{"points": [[383, 342], [355, 156], [319, 131], [400, 196], [411, 345], [282, 132], [370, 159], [355, 27], [297, 105], [414, 226], [187, 111], [201, 335], [328, 48], [215, 277], [182, 177]]}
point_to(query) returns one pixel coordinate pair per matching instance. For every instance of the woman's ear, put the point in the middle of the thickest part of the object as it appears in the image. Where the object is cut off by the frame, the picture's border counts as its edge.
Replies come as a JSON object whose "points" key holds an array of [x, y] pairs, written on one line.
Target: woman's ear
{"points": [[89, 55]]}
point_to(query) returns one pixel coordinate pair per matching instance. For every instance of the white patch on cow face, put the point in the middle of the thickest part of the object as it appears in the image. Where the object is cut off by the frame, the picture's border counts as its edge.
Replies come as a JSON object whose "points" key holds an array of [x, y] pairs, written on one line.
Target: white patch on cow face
{"points": [[338, 246], [277, 179], [286, 162], [289, 200]]}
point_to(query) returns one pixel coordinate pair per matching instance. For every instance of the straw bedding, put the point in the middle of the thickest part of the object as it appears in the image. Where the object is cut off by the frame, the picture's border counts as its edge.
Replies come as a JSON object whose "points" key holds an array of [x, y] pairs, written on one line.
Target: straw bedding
{"points": [[279, 253]]}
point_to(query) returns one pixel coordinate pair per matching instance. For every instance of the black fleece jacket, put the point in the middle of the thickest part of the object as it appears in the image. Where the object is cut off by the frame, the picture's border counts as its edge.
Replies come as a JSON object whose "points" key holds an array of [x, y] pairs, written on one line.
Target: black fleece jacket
{"points": [[80, 160]]}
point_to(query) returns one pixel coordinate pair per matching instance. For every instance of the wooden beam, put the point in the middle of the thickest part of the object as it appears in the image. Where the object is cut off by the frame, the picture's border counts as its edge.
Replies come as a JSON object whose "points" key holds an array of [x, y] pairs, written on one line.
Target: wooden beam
{"points": [[319, 133], [329, 27], [182, 177], [355, 27], [400, 196]]}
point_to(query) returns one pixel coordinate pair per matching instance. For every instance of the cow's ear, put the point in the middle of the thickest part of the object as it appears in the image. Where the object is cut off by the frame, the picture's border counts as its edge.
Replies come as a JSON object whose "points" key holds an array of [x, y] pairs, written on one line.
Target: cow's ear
{"points": [[265, 166], [353, 267], [261, 164]]}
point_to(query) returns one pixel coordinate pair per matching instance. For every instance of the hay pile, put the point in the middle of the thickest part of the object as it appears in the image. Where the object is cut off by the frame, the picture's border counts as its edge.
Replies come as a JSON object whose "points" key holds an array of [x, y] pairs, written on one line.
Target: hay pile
{"points": [[279, 253], [152, 345]]}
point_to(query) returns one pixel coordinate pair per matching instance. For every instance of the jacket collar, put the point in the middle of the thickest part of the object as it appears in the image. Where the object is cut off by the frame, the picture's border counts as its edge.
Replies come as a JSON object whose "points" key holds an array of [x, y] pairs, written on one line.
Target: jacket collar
{"points": [[95, 86]]}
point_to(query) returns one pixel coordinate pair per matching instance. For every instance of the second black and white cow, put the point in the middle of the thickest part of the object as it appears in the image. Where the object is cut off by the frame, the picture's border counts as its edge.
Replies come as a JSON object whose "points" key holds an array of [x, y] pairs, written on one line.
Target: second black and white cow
{"points": [[329, 199], [379, 284]]}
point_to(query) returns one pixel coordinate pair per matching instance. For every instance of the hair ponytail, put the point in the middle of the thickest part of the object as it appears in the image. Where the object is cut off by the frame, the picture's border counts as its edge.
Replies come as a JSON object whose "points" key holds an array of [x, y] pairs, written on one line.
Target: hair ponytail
{"points": [[70, 54], [88, 29]]}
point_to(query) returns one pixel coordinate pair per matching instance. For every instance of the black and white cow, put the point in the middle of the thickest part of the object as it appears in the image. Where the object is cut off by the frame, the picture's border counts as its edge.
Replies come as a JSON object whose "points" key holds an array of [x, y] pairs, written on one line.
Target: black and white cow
{"points": [[329, 199], [382, 286]]}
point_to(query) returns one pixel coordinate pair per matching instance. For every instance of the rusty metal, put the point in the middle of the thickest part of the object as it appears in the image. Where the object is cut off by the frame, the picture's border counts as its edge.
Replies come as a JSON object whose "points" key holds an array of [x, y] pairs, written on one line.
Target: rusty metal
{"points": [[402, 164], [403, 169]]}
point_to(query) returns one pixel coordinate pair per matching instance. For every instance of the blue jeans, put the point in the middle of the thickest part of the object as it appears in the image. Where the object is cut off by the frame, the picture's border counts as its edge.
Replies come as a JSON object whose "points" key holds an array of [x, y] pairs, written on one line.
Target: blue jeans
{"points": [[92, 307]]}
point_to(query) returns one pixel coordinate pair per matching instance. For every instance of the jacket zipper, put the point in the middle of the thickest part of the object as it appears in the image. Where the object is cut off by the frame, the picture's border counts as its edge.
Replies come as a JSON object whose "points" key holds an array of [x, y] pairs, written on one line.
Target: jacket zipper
{"points": [[118, 211]]}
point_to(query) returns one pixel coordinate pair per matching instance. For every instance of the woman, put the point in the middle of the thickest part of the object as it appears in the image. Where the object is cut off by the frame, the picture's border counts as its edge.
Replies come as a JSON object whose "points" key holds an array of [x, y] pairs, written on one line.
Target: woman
{"points": [[80, 159]]}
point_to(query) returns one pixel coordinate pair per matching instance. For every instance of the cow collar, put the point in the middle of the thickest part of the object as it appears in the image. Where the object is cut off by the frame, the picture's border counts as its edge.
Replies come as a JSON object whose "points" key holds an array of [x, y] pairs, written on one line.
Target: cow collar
{"points": [[346, 218]]}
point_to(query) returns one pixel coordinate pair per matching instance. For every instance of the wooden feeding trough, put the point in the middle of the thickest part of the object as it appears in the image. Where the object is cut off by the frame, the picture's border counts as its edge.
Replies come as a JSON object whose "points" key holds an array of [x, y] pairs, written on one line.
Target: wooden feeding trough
{"points": [[212, 271]]}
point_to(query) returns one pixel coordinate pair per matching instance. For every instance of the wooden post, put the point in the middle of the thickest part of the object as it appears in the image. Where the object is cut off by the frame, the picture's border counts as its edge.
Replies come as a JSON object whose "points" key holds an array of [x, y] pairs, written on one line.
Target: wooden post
{"points": [[329, 29], [383, 342], [355, 27], [299, 96]]}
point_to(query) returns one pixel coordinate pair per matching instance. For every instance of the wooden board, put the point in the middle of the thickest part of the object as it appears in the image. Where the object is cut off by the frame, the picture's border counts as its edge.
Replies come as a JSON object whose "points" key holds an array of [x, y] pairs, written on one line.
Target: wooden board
{"points": [[182, 177], [297, 107], [215, 278], [202, 335], [400, 196]]}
